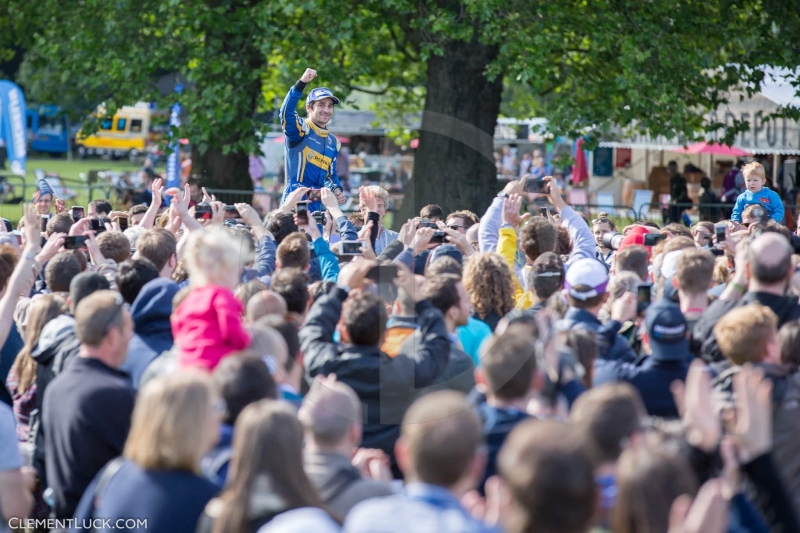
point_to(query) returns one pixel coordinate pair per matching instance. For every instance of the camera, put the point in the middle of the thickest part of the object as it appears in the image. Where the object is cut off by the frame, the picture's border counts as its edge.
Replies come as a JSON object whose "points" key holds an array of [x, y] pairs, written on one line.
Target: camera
{"points": [[612, 240]]}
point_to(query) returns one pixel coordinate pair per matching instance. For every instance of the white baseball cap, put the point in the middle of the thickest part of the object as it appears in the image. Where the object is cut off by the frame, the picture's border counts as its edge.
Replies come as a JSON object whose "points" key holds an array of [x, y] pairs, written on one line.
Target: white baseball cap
{"points": [[589, 273]]}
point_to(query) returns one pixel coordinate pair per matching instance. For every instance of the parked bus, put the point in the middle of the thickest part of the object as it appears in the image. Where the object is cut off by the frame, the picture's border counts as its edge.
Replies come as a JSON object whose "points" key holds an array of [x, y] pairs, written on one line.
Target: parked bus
{"points": [[47, 129], [131, 132]]}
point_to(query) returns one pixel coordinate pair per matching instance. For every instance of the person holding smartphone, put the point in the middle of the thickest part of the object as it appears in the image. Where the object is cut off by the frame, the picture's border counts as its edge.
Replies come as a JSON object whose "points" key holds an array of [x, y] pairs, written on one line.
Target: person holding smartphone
{"points": [[310, 150]]}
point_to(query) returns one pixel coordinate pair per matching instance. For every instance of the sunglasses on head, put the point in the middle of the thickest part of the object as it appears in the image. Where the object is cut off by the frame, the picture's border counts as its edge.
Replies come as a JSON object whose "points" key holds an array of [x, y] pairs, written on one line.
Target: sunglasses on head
{"points": [[601, 220]]}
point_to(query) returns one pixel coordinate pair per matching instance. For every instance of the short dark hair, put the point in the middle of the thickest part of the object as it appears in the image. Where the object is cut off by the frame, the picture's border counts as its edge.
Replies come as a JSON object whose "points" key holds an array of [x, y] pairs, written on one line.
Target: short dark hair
{"points": [[470, 218], [281, 225], [509, 362], [633, 259], [789, 336], [114, 245], [547, 275], [550, 477], [443, 435], [609, 414], [132, 275], [292, 284], [364, 319], [59, 223], [293, 251], [431, 211], [102, 206], [243, 378], [157, 245], [444, 265], [538, 236], [60, 270], [289, 331], [137, 209], [85, 284], [442, 291], [678, 230]]}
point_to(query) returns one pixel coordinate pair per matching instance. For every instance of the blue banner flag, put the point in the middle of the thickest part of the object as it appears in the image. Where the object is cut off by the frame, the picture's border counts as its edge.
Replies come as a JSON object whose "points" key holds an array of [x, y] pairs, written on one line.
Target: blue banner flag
{"points": [[12, 125], [173, 161]]}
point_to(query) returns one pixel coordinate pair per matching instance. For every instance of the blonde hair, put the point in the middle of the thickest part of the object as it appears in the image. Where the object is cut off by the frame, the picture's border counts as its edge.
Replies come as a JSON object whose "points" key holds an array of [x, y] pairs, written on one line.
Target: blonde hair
{"points": [[212, 252], [170, 423], [754, 167], [487, 279], [378, 191], [743, 333]]}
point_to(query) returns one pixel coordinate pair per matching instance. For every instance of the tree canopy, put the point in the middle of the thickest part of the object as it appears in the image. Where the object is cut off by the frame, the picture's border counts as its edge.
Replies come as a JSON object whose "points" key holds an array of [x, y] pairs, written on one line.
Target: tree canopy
{"points": [[653, 66]]}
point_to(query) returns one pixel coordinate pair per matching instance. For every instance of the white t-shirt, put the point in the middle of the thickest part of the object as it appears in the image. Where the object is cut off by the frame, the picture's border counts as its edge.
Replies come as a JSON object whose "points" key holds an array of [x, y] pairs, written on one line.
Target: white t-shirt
{"points": [[303, 520]]}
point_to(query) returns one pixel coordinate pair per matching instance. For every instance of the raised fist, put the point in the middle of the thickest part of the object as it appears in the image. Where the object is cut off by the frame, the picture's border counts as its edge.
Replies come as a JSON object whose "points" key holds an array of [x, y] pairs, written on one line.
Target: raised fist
{"points": [[308, 75]]}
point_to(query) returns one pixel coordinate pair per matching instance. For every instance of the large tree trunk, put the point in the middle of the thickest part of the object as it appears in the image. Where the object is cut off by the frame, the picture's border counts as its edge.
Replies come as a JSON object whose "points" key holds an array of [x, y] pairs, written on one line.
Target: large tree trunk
{"points": [[224, 171], [454, 164]]}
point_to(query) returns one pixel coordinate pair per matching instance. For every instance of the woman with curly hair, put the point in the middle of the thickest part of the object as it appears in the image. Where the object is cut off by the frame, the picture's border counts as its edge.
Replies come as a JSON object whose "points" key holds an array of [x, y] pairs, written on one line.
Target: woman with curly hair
{"points": [[488, 281]]}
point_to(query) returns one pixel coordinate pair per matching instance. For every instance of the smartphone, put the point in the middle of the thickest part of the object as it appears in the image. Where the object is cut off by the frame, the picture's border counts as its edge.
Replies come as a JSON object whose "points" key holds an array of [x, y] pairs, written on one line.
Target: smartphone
{"points": [[78, 212], [18, 235], [231, 210], [45, 220], [97, 225], [73, 242], [426, 223], [651, 239], [123, 223], [438, 237], [720, 232], [382, 273], [643, 298], [314, 195], [536, 186], [543, 211], [202, 211], [319, 217], [302, 212], [351, 248]]}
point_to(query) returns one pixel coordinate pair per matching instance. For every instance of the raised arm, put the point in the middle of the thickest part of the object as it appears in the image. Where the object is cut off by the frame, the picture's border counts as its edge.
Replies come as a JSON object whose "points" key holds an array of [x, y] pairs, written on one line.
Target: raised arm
{"points": [[149, 218], [290, 121]]}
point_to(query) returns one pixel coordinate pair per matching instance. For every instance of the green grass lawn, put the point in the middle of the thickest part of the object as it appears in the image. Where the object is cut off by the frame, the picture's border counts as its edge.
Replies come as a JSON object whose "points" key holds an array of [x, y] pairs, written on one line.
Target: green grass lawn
{"points": [[75, 172]]}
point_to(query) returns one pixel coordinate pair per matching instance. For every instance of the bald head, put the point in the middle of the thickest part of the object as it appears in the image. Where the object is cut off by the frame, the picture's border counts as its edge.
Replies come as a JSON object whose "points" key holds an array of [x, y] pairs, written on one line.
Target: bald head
{"points": [[328, 411], [770, 258], [268, 342], [265, 303]]}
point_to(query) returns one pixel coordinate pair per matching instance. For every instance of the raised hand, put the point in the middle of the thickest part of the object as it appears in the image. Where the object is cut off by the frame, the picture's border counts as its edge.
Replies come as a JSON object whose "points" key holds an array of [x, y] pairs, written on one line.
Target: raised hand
{"points": [[157, 189], [703, 428], [308, 75], [31, 230], [511, 207], [369, 199]]}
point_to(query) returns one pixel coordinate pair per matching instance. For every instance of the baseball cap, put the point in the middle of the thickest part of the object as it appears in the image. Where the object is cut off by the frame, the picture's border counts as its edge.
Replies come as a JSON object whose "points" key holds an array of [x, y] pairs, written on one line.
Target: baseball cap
{"points": [[668, 265], [319, 93], [589, 273], [447, 250], [666, 331], [634, 236], [546, 270]]}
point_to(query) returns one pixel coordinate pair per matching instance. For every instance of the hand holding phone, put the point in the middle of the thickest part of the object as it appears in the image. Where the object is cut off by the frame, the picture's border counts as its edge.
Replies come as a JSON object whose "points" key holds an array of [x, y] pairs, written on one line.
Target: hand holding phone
{"points": [[721, 232], [202, 211], [351, 248], [78, 212], [302, 213], [536, 186], [643, 298]]}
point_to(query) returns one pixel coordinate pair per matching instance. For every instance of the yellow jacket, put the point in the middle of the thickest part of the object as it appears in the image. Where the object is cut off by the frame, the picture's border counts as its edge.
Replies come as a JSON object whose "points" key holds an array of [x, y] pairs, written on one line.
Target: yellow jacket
{"points": [[507, 247]]}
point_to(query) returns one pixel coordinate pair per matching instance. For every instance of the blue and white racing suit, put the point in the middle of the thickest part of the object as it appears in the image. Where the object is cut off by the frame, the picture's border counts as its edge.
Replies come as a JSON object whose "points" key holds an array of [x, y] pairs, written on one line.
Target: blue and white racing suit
{"points": [[310, 151]]}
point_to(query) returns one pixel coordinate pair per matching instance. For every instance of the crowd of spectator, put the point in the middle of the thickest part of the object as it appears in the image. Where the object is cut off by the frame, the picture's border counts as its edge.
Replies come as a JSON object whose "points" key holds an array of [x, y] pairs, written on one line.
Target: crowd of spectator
{"points": [[209, 370]]}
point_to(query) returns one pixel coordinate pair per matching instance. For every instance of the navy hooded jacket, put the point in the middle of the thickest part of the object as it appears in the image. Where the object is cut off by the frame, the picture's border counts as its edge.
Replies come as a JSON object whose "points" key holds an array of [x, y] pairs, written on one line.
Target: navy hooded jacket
{"points": [[153, 332]]}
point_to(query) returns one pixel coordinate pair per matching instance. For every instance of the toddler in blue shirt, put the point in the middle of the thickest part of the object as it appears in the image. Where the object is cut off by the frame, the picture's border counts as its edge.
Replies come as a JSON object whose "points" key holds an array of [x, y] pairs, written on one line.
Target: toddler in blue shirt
{"points": [[755, 177]]}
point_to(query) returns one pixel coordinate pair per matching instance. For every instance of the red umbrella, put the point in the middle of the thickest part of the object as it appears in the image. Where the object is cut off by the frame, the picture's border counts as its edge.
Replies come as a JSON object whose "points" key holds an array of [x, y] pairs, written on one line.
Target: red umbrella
{"points": [[580, 171], [712, 148]]}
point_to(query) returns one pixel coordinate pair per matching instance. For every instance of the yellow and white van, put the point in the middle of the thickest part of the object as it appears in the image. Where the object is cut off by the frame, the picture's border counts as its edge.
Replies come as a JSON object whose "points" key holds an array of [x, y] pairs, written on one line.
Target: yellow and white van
{"points": [[129, 133]]}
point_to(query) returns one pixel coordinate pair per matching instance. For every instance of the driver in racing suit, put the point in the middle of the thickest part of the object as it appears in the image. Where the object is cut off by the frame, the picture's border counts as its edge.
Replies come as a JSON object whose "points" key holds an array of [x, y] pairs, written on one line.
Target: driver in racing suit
{"points": [[310, 150]]}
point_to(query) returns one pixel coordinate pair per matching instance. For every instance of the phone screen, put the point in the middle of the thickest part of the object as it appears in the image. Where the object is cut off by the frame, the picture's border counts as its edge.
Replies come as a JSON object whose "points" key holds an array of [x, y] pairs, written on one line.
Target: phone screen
{"points": [[543, 211], [77, 213], [651, 239], [536, 186], [642, 298], [45, 219], [302, 212], [123, 223], [350, 248], [72, 242], [720, 232]]}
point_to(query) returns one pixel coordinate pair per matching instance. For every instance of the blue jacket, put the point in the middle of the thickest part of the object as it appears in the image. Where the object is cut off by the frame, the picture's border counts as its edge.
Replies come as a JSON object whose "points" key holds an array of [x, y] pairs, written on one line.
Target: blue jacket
{"points": [[611, 345], [497, 424], [766, 198], [651, 377], [310, 151], [215, 464], [151, 324]]}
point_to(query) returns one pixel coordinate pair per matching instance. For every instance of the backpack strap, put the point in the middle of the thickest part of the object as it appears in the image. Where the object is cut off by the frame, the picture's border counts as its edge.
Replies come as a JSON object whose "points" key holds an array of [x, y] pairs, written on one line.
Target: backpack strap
{"points": [[108, 472]]}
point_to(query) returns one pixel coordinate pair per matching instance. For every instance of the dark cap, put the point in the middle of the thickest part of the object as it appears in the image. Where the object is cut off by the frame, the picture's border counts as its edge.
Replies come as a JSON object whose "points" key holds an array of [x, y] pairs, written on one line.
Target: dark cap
{"points": [[447, 250], [666, 331], [547, 274]]}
